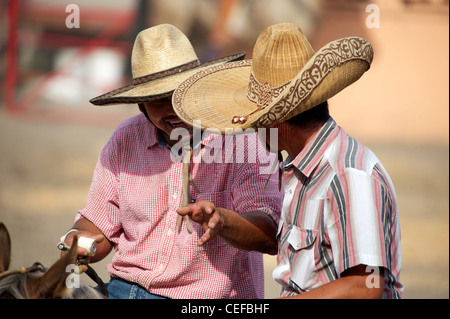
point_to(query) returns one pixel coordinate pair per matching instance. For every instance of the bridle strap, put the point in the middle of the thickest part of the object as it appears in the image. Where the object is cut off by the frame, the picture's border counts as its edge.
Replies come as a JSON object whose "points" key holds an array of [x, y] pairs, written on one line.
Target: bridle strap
{"points": [[94, 276]]}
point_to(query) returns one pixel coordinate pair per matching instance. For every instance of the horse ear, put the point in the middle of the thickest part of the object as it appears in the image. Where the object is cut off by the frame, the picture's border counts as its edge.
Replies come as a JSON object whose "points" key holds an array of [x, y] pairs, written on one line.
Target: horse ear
{"points": [[53, 283], [5, 248]]}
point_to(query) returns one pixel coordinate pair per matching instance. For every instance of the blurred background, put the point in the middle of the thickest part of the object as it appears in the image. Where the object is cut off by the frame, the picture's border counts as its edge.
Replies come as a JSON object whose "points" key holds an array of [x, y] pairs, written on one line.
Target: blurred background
{"points": [[50, 136]]}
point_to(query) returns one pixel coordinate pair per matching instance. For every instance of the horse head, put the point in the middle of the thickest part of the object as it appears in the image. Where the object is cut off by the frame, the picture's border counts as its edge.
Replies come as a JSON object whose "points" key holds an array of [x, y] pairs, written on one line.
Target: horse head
{"points": [[37, 283]]}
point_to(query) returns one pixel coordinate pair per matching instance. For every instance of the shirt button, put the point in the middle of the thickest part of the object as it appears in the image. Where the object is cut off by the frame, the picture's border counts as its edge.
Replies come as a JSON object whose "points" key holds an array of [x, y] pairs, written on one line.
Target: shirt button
{"points": [[169, 232], [161, 267], [175, 195]]}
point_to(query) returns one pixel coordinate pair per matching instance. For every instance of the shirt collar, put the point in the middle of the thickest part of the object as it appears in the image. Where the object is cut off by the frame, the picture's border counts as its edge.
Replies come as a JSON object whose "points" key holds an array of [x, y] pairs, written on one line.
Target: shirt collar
{"points": [[308, 159], [152, 136]]}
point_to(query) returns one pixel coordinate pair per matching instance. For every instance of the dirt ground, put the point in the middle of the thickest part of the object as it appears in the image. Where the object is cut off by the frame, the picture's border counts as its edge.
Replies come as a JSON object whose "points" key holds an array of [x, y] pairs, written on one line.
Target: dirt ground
{"points": [[399, 109]]}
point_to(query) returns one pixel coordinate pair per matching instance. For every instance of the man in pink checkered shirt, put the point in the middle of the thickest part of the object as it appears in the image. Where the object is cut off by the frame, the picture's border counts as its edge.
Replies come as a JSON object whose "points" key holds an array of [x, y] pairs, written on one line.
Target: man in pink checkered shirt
{"points": [[137, 189]]}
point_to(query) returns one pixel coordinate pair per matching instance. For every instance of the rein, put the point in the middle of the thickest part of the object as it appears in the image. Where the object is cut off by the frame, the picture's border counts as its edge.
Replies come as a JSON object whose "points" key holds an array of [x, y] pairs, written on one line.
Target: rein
{"points": [[91, 247], [37, 266], [94, 276]]}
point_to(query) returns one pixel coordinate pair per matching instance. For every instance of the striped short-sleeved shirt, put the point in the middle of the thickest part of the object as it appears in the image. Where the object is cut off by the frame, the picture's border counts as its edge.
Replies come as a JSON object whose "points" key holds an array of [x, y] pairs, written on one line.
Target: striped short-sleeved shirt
{"points": [[136, 190], [339, 211]]}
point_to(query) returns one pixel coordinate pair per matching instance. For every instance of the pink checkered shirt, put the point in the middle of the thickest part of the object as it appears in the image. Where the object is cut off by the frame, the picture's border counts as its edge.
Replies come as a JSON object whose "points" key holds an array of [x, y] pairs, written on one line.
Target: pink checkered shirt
{"points": [[134, 195]]}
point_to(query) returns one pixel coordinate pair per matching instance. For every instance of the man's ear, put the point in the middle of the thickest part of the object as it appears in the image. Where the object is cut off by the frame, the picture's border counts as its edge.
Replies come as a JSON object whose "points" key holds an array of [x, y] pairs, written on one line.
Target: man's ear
{"points": [[143, 110]]}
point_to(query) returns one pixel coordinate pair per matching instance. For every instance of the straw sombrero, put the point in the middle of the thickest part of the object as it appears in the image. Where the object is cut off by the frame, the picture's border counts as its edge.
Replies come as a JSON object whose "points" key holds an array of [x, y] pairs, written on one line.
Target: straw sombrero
{"points": [[161, 59], [284, 78]]}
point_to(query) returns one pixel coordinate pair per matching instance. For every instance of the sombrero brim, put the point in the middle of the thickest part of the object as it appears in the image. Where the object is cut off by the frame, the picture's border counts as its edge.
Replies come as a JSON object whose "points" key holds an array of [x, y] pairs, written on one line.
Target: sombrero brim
{"points": [[158, 88], [215, 95]]}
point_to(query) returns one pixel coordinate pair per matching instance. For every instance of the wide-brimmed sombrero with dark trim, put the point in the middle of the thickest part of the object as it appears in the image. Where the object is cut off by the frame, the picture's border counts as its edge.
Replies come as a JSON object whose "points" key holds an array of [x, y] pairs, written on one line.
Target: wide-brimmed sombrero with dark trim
{"points": [[284, 78], [161, 59]]}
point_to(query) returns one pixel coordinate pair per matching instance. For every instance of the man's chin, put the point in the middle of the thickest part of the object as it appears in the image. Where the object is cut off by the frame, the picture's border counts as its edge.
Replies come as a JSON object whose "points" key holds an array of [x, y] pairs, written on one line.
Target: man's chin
{"points": [[179, 135]]}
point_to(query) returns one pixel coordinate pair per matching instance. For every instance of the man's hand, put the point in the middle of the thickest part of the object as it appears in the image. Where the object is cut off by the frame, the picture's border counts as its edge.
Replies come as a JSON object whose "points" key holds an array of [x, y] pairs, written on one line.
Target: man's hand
{"points": [[84, 228], [248, 230], [82, 252], [207, 215]]}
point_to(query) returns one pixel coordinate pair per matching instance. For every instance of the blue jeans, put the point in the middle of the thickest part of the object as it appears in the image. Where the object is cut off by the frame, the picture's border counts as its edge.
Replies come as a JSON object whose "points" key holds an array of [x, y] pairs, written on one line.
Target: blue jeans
{"points": [[122, 289]]}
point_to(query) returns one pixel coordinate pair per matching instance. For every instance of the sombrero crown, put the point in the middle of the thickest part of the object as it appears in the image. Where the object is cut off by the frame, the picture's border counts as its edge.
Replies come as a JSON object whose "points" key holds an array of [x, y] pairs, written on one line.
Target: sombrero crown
{"points": [[161, 59], [285, 78]]}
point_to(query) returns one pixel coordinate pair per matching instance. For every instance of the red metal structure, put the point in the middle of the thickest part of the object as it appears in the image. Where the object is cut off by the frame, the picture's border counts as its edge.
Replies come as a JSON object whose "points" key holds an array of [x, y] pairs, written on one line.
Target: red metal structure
{"points": [[101, 27]]}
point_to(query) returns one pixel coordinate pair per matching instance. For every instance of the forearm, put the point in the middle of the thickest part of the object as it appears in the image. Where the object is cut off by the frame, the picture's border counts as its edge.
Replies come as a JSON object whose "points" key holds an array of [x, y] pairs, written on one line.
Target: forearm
{"points": [[352, 285], [86, 228], [250, 231]]}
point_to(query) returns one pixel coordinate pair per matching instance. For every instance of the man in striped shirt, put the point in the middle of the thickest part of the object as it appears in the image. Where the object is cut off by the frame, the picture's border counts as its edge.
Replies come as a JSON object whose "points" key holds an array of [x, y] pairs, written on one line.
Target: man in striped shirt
{"points": [[339, 235], [339, 232]]}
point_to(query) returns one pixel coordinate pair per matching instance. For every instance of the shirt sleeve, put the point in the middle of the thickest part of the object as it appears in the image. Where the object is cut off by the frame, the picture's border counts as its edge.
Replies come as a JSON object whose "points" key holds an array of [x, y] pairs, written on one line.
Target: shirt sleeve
{"points": [[102, 207], [254, 187], [363, 225]]}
